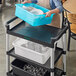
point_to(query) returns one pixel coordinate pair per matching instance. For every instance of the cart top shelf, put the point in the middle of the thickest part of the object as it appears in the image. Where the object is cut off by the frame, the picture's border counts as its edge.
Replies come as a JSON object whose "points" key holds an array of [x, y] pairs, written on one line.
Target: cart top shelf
{"points": [[45, 35]]}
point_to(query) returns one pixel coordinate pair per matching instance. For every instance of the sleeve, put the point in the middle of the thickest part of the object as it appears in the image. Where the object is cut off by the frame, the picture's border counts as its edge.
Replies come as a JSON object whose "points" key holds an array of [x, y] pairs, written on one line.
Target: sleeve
{"points": [[34, 1], [58, 5]]}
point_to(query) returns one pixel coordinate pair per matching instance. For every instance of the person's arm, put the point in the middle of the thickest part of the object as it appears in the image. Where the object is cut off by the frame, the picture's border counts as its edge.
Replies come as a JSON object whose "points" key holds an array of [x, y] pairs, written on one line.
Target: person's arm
{"points": [[58, 5], [48, 14], [30, 1], [58, 9]]}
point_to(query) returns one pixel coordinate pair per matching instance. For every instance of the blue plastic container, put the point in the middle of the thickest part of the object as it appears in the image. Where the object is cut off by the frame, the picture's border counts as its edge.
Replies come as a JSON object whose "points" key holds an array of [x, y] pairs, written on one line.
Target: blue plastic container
{"points": [[32, 19]]}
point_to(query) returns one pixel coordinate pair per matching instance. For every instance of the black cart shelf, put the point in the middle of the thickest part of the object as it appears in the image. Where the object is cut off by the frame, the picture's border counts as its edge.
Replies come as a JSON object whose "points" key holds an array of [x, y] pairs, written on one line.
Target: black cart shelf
{"points": [[58, 72], [58, 53], [45, 35]]}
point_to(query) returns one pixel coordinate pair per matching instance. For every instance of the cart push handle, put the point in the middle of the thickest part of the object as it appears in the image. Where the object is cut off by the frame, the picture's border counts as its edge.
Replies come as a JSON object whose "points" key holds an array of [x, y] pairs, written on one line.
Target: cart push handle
{"points": [[8, 22]]}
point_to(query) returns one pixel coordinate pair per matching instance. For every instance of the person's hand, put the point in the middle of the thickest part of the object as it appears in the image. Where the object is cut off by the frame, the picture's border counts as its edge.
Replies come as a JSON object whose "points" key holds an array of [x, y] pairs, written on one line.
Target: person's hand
{"points": [[48, 14], [26, 2]]}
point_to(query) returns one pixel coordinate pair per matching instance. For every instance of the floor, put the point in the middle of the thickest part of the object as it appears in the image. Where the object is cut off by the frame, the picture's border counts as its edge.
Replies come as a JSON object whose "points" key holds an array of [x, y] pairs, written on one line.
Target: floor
{"points": [[6, 15]]}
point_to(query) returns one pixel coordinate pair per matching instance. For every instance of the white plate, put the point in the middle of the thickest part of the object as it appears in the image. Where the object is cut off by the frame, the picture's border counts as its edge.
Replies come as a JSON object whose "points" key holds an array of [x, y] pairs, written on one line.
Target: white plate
{"points": [[36, 11], [33, 10]]}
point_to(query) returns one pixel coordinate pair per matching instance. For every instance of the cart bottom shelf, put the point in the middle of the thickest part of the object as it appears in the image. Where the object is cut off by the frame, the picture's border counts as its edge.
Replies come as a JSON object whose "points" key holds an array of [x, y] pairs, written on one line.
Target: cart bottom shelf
{"points": [[58, 72]]}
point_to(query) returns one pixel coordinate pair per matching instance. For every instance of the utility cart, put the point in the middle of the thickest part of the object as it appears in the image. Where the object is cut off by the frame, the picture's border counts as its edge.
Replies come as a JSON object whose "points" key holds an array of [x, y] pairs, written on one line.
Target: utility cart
{"points": [[45, 35]]}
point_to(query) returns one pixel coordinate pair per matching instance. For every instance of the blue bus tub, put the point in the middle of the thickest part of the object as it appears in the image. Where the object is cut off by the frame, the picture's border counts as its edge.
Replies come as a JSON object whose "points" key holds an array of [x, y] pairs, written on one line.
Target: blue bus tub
{"points": [[32, 19]]}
